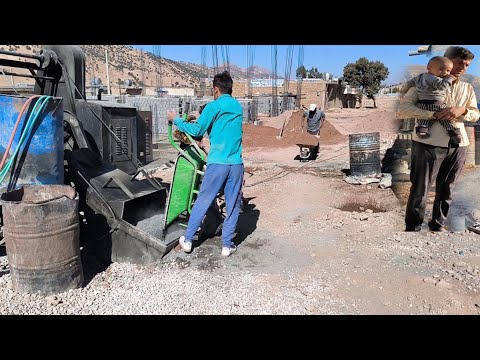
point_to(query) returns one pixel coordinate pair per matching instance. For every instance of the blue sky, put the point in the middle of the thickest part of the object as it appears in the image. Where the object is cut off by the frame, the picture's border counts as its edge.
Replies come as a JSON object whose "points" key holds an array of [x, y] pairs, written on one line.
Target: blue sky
{"points": [[326, 58]]}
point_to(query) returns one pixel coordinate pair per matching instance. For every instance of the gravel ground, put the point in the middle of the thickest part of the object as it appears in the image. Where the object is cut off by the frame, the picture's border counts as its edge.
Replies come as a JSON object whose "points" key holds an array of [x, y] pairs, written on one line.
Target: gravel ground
{"points": [[308, 243], [171, 288], [340, 249]]}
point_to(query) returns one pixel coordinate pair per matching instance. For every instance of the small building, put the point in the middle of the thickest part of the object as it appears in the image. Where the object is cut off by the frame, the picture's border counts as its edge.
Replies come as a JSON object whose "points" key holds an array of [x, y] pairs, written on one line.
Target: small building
{"points": [[171, 91], [340, 95], [326, 94]]}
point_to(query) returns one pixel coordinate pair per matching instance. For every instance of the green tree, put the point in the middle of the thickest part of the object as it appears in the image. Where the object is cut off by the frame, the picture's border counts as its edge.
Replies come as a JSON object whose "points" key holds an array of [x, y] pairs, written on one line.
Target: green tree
{"points": [[365, 75], [301, 72], [314, 73]]}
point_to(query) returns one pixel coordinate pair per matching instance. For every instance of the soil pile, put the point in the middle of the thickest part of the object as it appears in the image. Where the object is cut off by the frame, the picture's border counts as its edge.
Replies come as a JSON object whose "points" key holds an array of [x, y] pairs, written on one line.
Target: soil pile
{"points": [[295, 132]]}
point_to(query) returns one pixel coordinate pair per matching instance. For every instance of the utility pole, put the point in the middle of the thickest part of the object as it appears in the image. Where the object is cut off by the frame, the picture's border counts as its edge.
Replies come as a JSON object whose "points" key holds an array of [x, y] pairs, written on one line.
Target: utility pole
{"points": [[120, 89], [108, 75], [94, 84], [142, 66]]}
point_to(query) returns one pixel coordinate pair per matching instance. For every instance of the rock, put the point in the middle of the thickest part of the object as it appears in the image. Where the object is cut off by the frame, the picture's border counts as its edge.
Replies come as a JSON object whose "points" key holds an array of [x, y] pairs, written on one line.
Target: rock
{"points": [[443, 284], [460, 264], [53, 300], [386, 182], [429, 280], [476, 214]]}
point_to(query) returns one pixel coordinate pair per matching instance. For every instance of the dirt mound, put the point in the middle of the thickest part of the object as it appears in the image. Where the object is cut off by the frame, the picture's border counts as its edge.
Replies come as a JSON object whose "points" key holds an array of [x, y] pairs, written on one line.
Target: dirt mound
{"points": [[277, 121], [295, 132], [329, 135], [260, 136]]}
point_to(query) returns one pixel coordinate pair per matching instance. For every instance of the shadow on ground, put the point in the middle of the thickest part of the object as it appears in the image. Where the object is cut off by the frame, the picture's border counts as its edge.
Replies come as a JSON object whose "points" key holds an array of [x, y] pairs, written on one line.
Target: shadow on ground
{"points": [[3, 252], [96, 245], [247, 223]]}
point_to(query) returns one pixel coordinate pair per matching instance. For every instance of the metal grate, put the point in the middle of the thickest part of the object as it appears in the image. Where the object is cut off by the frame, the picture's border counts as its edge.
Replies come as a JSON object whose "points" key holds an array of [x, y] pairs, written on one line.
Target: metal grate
{"points": [[121, 132], [147, 145]]}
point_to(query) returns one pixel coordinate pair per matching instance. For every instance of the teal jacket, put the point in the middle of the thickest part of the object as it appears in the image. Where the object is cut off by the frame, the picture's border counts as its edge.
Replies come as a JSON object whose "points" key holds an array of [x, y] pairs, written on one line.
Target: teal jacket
{"points": [[222, 119]]}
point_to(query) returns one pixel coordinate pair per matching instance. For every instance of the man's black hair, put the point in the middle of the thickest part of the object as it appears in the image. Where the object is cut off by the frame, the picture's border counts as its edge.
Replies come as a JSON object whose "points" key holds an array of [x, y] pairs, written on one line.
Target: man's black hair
{"points": [[454, 52], [224, 82]]}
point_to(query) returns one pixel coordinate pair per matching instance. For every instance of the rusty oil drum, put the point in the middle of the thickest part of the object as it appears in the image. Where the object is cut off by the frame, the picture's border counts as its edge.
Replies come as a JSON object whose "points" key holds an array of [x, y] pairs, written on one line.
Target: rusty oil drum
{"points": [[42, 237], [365, 154]]}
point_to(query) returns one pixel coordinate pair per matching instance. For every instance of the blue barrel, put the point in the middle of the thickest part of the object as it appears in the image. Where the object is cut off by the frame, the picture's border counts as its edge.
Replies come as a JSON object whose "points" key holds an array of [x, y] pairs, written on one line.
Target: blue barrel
{"points": [[41, 163]]}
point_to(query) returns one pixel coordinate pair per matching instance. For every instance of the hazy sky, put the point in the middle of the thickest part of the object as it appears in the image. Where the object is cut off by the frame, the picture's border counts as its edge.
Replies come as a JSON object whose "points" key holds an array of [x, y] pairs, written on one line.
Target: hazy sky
{"points": [[326, 58]]}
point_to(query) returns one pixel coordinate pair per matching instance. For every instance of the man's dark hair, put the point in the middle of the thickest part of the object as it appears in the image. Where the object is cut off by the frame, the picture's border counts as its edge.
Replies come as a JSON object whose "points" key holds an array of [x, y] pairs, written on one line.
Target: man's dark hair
{"points": [[454, 52], [224, 82]]}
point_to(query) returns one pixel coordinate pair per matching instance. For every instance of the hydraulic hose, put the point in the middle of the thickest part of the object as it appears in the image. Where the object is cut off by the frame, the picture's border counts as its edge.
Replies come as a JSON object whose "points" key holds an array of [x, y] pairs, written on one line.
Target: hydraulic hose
{"points": [[37, 110], [14, 131]]}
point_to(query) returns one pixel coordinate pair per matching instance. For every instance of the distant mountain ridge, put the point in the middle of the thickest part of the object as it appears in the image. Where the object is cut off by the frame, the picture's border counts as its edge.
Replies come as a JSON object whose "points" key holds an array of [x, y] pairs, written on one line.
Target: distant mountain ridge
{"points": [[143, 68]]}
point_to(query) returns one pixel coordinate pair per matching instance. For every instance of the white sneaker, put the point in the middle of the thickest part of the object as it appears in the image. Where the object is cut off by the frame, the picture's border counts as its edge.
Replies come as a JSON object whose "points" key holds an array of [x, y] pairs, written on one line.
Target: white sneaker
{"points": [[186, 245], [229, 251]]}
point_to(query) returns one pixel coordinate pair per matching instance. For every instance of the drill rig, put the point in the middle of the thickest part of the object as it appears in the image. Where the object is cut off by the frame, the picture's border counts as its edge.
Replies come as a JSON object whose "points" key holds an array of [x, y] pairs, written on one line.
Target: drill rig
{"points": [[144, 219]]}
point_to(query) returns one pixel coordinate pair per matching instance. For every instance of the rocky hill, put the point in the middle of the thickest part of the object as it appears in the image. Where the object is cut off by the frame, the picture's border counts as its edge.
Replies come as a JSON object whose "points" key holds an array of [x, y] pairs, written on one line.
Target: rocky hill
{"points": [[143, 68]]}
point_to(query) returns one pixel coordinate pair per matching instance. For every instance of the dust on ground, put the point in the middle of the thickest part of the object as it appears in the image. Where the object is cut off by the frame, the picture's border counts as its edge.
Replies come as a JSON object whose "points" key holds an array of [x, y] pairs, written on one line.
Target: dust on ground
{"points": [[350, 239]]}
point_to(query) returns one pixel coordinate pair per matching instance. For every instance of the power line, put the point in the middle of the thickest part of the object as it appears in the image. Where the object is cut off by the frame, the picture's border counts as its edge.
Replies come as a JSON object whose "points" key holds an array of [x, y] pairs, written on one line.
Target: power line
{"points": [[157, 51], [142, 68], [299, 77], [274, 82], [288, 68], [250, 72], [204, 71], [227, 52], [215, 58]]}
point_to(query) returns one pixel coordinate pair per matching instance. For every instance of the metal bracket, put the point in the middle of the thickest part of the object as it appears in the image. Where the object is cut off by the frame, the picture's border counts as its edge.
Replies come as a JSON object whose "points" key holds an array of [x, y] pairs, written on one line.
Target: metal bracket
{"points": [[152, 180], [121, 185]]}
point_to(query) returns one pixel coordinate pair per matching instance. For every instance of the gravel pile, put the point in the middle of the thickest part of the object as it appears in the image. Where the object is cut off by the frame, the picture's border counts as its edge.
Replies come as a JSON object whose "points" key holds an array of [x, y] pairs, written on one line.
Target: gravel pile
{"points": [[172, 289]]}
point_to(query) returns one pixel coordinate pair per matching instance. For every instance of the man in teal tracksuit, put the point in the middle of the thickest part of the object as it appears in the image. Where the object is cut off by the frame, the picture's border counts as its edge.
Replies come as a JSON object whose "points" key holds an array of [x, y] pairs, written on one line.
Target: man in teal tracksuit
{"points": [[222, 119]]}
